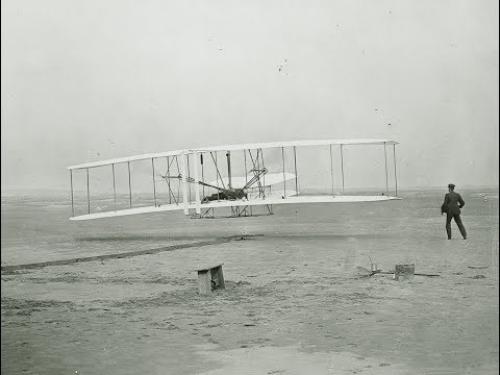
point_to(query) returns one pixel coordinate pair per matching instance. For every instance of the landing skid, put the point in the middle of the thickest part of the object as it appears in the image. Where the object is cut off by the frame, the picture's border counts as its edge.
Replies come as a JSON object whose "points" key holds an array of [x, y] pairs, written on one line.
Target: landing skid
{"points": [[237, 211]]}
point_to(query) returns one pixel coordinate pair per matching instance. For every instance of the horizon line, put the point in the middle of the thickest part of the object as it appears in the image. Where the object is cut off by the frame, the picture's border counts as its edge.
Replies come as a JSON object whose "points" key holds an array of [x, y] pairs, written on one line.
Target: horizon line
{"points": [[20, 191]]}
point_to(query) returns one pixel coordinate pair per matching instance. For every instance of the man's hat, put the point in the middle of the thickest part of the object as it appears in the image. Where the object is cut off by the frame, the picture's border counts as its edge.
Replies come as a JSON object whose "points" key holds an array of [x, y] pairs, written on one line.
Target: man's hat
{"points": [[451, 186]]}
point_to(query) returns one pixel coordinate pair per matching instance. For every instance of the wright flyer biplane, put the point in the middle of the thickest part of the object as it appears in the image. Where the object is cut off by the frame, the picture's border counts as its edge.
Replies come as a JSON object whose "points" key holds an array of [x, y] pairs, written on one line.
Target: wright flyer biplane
{"points": [[236, 178]]}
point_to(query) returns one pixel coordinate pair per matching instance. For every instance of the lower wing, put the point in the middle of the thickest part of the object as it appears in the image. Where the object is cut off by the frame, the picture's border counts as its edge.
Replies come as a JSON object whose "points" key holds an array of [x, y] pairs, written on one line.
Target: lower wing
{"points": [[268, 200]]}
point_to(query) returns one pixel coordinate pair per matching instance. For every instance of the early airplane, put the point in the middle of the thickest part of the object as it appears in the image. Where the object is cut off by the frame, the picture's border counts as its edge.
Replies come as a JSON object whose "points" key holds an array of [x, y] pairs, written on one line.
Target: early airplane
{"points": [[187, 187]]}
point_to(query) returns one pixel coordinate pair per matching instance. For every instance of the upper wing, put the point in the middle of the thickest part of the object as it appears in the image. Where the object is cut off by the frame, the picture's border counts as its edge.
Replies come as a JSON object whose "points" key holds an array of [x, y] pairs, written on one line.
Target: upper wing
{"points": [[246, 146], [316, 142]]}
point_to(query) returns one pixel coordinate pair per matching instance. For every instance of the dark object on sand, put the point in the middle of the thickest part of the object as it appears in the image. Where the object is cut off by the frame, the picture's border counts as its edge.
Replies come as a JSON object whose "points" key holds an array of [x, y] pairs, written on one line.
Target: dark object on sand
{"points": [[415, 274], [479, 277], [210, 278], [404, 270], [363, 272]]}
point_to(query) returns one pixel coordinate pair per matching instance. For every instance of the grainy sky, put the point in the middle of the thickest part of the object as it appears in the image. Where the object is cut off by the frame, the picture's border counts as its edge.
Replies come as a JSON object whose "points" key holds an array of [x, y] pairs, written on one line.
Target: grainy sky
{"points": [[90, 80]]}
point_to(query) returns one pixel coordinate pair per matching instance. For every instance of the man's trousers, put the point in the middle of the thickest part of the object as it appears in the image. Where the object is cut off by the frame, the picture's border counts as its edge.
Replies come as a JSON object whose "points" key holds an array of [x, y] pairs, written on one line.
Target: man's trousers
{"points": [[458, 220]]}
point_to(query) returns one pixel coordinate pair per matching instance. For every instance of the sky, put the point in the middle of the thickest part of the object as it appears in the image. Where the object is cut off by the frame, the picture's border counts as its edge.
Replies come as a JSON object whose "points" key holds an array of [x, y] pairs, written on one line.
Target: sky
{"points": [[90, 80]]}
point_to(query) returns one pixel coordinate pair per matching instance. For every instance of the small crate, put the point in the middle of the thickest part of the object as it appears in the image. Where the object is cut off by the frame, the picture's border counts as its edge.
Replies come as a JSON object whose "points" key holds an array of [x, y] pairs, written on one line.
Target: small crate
{"points": [[210, 278]]}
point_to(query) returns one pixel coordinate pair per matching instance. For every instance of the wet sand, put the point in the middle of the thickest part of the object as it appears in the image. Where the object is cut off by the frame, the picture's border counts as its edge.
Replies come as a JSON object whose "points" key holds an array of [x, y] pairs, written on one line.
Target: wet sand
{"points": [[297, 298]]}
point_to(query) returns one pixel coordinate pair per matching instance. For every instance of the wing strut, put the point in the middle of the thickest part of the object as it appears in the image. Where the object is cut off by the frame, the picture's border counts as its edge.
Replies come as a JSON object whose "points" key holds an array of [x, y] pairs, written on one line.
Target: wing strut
{"points": [[245, 159], [295, 167], [228, 156], [197, 187], [342, 166], [284, 180], [72, 199], [114, 183], [395, 171], [331, 170], [246, 173], [202, 173], [154, 183], [88, 191], [188, 174], [386, 172], [129, 185], [217, 169], [255, 170], [170, 193], [184, 184], [263, 167], [178, 182]]}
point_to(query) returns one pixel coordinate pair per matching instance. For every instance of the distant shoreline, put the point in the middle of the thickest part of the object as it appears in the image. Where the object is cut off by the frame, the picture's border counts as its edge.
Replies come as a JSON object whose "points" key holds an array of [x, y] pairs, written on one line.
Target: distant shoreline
{"points": [[60, 196], [60, 192]]}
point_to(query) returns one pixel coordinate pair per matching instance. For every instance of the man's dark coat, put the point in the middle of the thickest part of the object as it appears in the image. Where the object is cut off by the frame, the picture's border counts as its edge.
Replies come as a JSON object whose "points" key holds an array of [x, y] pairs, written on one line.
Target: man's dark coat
{"points": [[453, 202]]}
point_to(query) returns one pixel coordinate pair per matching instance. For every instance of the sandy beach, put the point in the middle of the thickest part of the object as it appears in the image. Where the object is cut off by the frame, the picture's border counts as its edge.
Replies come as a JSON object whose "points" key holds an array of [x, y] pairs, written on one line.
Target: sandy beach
{"points": [[298, 299], [338, 126]]}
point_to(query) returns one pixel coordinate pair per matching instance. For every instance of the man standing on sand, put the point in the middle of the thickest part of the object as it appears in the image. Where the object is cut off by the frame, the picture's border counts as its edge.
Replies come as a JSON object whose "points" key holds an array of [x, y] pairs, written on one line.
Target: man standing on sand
{"points": [[453, 202]]}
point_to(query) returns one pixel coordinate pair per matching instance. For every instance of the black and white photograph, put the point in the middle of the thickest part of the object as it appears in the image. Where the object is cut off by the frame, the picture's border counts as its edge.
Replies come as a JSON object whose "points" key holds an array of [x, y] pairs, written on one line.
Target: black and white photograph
{"points": [[250, 187]]}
